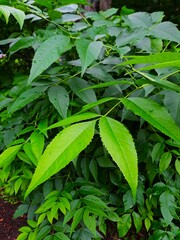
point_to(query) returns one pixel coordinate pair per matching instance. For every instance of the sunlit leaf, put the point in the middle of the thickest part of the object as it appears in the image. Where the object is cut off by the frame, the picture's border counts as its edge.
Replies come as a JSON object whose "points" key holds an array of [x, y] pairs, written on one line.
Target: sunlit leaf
{"points": [[120, 145], [63, 149]]}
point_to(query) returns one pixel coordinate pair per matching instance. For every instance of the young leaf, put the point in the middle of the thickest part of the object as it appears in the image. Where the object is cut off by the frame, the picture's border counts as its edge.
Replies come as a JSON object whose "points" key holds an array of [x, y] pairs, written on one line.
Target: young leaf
{"points": [[120, 145], [37, 143], [59, 97], [18, 14], [63, 149], [26, 97], [155, 114], [48, 52], [88, 52], [8, 155]]}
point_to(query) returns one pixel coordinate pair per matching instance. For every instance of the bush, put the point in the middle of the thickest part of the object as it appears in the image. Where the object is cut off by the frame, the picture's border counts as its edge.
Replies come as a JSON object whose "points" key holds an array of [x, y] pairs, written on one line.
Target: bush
{"points": [[90, 130]]}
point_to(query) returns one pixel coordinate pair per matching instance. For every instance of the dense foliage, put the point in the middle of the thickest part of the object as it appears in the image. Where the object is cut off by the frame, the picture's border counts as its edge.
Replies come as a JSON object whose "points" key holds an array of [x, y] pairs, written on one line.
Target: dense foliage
{"points": [[90, 120]]}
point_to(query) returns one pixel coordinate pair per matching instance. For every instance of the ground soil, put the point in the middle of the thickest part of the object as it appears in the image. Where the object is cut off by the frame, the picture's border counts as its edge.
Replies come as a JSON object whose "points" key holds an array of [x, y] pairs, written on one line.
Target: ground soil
{"points": [[9, 226]]}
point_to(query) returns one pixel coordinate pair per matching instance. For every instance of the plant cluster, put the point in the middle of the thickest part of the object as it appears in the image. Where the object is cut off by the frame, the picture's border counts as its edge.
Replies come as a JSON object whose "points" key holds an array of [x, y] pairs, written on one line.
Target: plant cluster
{"points": [[90, 120]]}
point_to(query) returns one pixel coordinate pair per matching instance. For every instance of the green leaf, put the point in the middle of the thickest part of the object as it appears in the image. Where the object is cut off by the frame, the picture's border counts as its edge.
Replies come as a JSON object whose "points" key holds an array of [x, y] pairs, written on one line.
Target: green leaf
{"points": [[26, 97], [166, 31], [88, 52], [177, 166], [63, 149], [22, 44], [37, 143], [66, 2], [167, 205], [165, 160], [95, 202], [75, 204], [43, 232], [59, 97], [85, 190], [88, 96], [172, 103], [73, 119], [48, 52], [124, 224], [18, 14], [155, 114], [77, 218], [8, 155], [160, 60], [61, 236], [89, 221], [137, 221], [120, 145]]}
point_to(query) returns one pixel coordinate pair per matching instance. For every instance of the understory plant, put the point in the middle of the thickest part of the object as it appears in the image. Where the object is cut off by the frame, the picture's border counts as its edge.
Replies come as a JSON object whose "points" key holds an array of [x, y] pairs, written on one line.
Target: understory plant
{"points": [[90, 120]]}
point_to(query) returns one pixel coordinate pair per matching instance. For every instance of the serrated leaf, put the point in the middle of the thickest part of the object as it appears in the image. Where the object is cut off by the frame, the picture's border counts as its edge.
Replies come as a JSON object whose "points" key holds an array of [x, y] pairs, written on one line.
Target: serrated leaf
{"points": [[120, 145], [167, 205], [165, 160], [63, 149], [48, 52], [124, 224], [88, 52], [166, 31], [18, 14], [177, 166], [8, 155], [26, 97], [155, 114], [59, 97]]}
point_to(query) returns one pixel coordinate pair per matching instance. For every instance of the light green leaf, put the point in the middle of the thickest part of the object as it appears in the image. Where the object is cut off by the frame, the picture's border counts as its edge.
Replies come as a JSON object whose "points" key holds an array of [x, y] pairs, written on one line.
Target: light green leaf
{"points": [[124, 224], [159, 60], [8, 155], [59, 97], [73, 119], [37, 143], [65, 2], [155, 114], [18, 14], [26, 97], [167, 205], [61, 236], [48, 52], [120, 145], [177, 166], [165, 160], [89, 221], [166, 31], [88, 52], [63, 149], [94, 104]]}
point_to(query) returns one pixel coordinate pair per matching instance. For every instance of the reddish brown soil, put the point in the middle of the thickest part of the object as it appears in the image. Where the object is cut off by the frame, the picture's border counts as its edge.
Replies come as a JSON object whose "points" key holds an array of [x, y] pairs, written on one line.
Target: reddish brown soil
{"points": [[9, 226]]}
